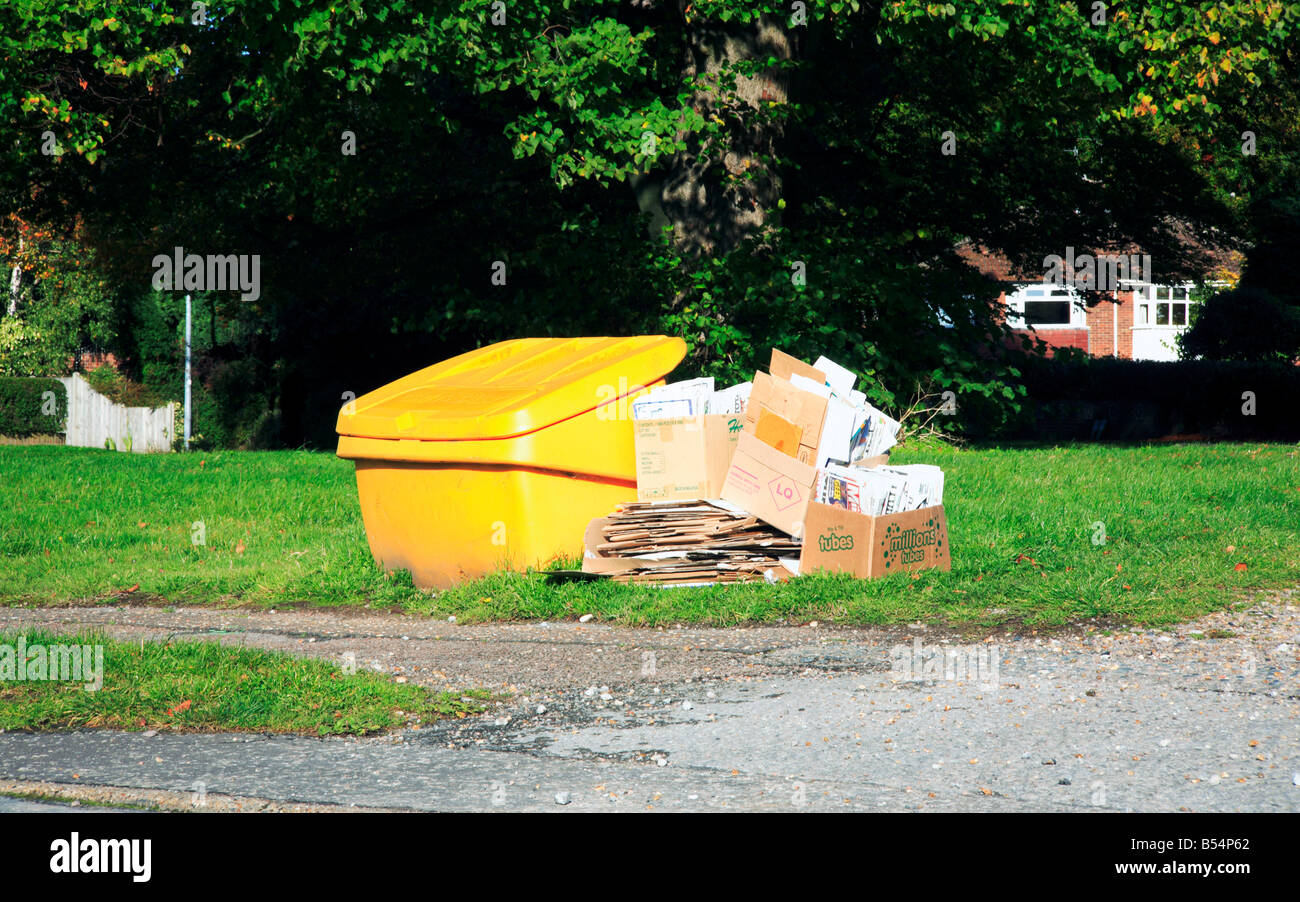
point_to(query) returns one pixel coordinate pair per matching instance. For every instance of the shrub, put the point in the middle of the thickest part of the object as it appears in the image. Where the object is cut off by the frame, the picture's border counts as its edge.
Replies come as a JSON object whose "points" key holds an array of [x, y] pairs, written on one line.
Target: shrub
{"points": [[1144, 399], [120, 389], [26, 409], [1245, 324]]}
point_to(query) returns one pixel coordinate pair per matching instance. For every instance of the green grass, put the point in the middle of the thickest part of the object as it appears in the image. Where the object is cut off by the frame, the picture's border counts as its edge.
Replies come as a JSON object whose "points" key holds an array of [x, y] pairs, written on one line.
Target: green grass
{"points": [[203, 686], [87, 525]]}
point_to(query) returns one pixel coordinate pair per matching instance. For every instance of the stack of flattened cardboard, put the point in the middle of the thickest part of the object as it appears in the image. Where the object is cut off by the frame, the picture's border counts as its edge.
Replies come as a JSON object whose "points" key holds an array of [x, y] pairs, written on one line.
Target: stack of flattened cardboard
{"points": [[687, 543]]}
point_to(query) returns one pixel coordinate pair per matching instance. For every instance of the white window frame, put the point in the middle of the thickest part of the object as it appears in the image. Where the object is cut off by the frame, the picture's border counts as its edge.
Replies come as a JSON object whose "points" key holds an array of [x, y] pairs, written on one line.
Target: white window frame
{"points": [[1041, 290], [1152, 300]]}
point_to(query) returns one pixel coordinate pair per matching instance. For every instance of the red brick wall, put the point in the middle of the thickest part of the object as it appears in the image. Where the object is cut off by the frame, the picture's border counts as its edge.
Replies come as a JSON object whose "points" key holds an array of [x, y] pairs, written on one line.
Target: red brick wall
{"points": [[1060, 338], [91, 360], [1111, 327]]}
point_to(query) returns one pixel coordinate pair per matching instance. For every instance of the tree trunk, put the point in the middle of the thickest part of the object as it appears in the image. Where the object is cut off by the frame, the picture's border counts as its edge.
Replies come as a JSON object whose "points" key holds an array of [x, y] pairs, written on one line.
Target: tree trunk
{"points": [[721, 190], [15, 282]]}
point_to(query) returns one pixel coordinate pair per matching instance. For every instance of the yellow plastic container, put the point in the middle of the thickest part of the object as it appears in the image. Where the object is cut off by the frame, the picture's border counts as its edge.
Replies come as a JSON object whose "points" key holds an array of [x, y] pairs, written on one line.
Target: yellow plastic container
{"points": [[499, 458]]}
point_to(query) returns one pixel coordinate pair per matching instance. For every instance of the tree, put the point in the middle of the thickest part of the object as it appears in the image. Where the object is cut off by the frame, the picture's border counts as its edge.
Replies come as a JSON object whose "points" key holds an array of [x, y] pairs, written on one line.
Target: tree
{"points": [[58, 301], [799, 164]]}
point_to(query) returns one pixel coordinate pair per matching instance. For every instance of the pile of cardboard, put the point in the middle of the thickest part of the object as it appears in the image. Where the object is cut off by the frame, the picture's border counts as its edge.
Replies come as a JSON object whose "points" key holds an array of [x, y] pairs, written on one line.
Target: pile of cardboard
{"points": [[783, 474], [687, 543], [881, 490]]}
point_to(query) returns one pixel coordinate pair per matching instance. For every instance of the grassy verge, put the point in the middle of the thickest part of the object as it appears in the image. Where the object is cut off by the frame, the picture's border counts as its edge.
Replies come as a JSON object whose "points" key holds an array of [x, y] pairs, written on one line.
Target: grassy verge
{"points": [[204, 686], [65, 802], [1187, 529]]}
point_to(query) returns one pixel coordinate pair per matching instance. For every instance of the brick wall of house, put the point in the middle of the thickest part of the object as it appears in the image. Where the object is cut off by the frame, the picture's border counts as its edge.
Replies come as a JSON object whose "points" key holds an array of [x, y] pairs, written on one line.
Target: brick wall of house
{"points": [[1110, 326], [90, 360], [1063, 338], [94, 360]]}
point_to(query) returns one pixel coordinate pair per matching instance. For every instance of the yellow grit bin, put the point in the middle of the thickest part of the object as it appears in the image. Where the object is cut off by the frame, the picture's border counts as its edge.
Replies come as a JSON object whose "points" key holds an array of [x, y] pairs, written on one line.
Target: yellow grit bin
{"points": [[499, 458]]}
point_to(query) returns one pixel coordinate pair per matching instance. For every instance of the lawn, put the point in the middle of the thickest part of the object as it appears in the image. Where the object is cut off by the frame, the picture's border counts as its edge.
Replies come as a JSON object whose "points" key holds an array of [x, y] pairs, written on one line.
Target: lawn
{"points": [[201, 686], [1187, 529]]}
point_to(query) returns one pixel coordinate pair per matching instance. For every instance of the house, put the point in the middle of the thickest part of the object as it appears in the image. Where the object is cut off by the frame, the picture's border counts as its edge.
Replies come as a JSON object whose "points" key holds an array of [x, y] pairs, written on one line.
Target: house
{"points": [[1129, 315]]}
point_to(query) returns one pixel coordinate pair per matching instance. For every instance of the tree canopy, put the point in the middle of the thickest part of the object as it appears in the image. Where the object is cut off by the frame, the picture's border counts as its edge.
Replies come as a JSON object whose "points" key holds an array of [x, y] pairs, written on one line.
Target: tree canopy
{"points": [[743, 174]]}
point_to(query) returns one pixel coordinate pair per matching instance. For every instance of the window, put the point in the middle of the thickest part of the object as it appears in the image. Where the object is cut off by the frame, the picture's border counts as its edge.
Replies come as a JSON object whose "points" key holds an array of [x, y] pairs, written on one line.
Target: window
{"points": [[1164, 305], [1043, 306], [1047, 313]]}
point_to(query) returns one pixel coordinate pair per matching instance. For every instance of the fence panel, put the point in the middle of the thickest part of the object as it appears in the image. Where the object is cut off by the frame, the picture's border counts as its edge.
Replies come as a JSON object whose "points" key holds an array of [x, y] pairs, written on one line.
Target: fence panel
{"points": [[93, 419]]}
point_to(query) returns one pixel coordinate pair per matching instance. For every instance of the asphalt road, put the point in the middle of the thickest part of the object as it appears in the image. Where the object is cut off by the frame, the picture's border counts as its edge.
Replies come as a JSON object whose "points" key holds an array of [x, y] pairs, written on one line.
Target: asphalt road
{"points": [[775, 718]]}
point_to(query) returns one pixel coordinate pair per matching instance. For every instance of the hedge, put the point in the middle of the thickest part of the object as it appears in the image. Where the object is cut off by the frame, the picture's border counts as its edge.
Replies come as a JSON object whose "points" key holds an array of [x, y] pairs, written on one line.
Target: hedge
{"points": [[1141, 399], [24, 409]]}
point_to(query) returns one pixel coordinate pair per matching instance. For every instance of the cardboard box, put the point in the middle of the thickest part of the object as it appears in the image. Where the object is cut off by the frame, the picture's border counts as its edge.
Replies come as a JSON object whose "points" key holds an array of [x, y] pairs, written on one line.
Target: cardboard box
{"points": [[840, 541], [783, 366], [772, 486], [778, 432], [682, 458], [803, 409]]}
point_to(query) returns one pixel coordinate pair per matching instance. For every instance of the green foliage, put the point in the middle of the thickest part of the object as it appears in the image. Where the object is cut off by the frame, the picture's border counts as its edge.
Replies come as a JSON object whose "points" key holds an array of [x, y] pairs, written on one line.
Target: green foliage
{"points": [[845, 296], [1246, 323], [26, 350], [479, 142], [121, 389], [236, 412], [32, 407], [1258, 319]]}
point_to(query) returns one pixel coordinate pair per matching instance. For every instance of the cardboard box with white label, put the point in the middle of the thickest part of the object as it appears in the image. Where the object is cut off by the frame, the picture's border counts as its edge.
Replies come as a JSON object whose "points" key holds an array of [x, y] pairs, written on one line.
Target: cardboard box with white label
{"points": [[682, 458]]}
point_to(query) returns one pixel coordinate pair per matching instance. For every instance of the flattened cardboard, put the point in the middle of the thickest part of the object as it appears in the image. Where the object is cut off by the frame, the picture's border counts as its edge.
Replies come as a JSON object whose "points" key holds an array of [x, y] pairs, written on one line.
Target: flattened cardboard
{"points": [[802, 408], [770, 485], [593, 563], [778, 432], [685, 543], [840, 541], [683, 458], [783, 366]]}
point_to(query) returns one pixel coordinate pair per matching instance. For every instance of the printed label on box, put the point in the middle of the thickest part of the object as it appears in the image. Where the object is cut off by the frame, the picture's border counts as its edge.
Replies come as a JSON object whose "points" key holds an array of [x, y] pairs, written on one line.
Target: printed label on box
{"points": [[842, 541]]}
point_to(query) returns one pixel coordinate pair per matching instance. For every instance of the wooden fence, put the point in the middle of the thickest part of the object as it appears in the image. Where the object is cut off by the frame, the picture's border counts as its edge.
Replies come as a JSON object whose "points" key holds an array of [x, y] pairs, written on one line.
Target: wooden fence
{"points": [[93, 420]]}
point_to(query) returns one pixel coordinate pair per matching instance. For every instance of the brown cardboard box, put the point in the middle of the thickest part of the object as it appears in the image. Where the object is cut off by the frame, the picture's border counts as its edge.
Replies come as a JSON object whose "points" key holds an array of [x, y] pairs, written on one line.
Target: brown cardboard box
{"points": [[772, 486], [778, 432], [802, 408], [682, 458], [783, 366], [842, 541]]}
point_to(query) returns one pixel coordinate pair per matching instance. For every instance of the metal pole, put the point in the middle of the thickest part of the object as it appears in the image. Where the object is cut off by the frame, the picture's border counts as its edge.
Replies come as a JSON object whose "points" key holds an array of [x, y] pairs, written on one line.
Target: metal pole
{"points": [[187, 373]]}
